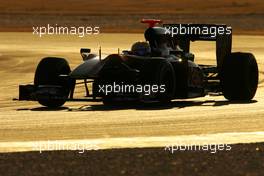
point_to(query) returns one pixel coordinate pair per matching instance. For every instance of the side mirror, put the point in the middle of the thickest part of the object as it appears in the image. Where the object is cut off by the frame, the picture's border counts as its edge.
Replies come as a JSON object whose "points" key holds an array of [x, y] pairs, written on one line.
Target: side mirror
{"points": [[189, 56], [85, 52]]}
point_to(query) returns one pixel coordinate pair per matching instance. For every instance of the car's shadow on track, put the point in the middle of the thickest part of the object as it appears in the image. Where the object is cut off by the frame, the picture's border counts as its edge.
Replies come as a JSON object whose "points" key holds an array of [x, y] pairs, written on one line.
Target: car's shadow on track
{"points": [[158, 106], [142, 106], [43, 109]]}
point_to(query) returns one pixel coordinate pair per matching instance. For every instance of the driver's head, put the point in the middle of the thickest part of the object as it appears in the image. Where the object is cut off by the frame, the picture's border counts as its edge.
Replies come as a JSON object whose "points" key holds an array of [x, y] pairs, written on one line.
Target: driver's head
{"points": [[141, 48]]}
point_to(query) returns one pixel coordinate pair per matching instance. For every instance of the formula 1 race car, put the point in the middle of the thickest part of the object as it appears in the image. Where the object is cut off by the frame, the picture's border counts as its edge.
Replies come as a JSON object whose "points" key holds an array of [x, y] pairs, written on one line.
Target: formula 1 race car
{"points": [[159, 69]]}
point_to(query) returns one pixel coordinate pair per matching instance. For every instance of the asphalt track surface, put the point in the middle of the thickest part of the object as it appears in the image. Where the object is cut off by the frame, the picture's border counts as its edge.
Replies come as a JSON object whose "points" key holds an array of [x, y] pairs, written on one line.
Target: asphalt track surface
{"points": [[210, 119]]}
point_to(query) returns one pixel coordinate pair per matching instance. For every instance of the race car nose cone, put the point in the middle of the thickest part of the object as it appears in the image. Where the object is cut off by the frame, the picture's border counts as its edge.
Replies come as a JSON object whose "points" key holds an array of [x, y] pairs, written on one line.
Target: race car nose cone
{"points": [[151, 22]]}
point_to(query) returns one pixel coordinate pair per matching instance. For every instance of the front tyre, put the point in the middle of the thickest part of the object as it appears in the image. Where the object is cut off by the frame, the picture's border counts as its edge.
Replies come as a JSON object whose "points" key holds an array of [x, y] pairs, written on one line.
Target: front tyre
{"points": [[47, 75]]}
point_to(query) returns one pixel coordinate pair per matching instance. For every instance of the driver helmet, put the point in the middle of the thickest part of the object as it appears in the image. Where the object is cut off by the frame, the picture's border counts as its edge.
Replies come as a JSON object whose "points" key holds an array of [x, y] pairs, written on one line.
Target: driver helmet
{"points": [[141, 48]]}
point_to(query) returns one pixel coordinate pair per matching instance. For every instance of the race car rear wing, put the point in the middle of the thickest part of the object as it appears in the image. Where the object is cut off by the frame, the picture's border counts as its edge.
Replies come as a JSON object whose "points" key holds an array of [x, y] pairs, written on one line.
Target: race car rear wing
{"points": [[185, 33]]}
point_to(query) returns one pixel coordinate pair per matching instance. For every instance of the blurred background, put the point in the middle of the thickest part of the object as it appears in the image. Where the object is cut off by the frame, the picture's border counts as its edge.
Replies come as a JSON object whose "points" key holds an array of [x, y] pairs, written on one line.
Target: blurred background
{"points": [[245, 16]]}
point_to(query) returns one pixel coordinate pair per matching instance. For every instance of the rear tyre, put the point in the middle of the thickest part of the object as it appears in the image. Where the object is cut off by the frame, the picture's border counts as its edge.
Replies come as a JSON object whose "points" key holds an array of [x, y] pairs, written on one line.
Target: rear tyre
{"points": [[47, 74], [239, 76]]}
